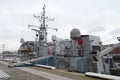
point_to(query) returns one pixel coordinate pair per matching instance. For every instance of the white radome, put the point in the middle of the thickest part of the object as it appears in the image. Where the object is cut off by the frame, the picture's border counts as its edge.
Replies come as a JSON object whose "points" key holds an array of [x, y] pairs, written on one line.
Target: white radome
{"points": [[75, 34]]}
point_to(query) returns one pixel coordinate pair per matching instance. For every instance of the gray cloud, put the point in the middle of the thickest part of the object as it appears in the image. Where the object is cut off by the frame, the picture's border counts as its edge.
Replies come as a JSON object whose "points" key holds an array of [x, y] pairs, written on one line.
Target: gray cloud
{"points": [[96, 27], [93, 16], [115, 32]]}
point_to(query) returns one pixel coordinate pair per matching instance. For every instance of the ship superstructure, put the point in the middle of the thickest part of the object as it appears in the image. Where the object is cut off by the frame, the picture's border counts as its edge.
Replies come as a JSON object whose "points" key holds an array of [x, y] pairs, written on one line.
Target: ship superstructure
{"points": [[81, 53], [40, 46]]}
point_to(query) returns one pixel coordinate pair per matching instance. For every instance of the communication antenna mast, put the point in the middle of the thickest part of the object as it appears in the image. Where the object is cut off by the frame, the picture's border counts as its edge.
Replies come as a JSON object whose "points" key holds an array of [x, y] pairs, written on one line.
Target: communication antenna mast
{"points": [[43, 26], [41, 31]]}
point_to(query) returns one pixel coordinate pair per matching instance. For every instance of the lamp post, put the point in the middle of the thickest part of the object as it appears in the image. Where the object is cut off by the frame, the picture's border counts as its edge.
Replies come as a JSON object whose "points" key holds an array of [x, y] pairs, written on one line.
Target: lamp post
{"points": [[3, 47]]}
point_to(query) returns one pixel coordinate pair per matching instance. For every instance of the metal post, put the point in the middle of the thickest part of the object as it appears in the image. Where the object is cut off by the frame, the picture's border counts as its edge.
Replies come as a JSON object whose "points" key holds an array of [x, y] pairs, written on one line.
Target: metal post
{"points": [[3, 47]]}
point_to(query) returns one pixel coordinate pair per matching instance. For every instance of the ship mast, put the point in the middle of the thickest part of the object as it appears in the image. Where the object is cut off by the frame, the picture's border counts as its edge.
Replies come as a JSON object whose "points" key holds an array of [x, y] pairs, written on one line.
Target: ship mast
{"points": [[42, 28], [42, 31]]}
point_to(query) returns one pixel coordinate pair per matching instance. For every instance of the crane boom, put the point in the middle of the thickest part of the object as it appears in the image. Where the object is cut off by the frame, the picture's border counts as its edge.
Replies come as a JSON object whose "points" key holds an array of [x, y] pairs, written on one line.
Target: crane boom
{"points": [[107, 50]]}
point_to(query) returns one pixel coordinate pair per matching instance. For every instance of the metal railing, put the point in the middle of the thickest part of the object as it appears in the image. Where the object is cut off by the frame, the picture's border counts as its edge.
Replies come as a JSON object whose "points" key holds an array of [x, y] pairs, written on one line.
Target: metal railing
{"points": [[4, 76]]}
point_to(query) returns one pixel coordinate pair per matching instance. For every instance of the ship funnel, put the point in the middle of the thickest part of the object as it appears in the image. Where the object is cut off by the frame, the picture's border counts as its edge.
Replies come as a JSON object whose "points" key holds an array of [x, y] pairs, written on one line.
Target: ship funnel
{"points": [[75, 34]]}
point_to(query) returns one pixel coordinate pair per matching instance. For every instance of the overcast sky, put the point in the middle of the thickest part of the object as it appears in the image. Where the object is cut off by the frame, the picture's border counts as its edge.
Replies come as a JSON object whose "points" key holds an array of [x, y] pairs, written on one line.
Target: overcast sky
{"points": [[93, 17]]}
